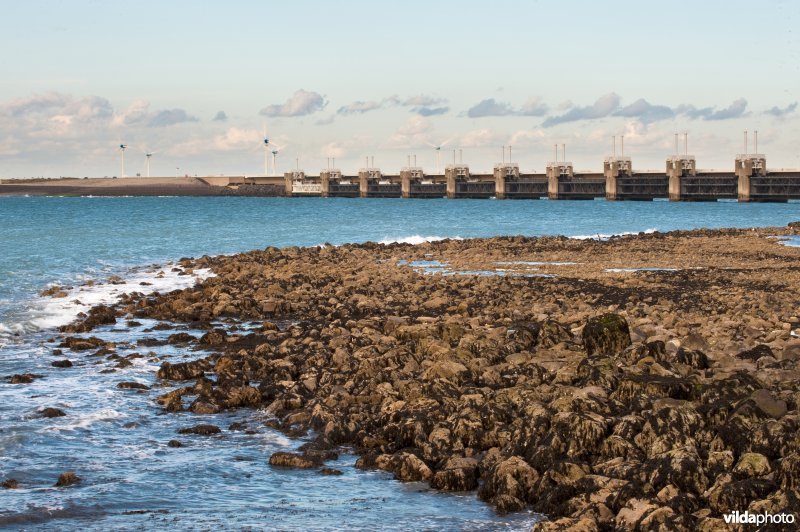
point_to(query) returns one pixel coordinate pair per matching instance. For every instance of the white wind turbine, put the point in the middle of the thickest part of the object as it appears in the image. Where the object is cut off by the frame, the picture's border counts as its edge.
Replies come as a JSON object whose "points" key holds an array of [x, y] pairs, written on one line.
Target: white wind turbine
{"points": [[438, 152], [148, 154], [274, 152], [122, 148], [266, 151]]}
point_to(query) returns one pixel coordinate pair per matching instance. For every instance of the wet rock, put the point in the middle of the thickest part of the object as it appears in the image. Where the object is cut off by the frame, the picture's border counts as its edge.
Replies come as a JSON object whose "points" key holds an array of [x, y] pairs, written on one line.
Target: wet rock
{"points": [[329, 471], [54, 292], [98, 315], [509, 484], [409, 468], [214, 337], [606, 335], [82, 344], [174, 444], [61, 363], [130, 385], [24, 378], [201, 430], [182, 371], [68, 478], [180, 338], [51, 412], [10, 484], [291, 460], [458, 474]]}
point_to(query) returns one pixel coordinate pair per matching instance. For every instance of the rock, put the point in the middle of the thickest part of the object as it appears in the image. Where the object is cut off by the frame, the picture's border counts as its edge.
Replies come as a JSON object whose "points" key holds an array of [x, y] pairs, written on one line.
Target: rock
{"points": [[180, 338], [130, 385], [174, 444], [446, 369], [291, 460], [409, 468], [509, 484], [10, 484], [606, 335], [67, 479], [458, 474], [61, 363], [51, 412], [82, 344], [214, 337], [201, 430], [24, 378], [98, 315], [788, 472], [182, 371], [329, 471], [694, 342], [767, 404], [739, 494], [752, 465], [755, 353], [695, 359]]}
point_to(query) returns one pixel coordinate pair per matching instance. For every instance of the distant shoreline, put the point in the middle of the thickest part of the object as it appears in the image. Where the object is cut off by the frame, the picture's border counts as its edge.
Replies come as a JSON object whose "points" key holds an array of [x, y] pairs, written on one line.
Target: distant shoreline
{"points": [[177, 186]]}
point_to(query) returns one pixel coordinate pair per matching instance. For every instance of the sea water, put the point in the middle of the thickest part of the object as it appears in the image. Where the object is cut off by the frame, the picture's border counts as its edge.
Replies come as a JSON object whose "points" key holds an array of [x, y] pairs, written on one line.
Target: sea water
{"points": [[116, 440]]}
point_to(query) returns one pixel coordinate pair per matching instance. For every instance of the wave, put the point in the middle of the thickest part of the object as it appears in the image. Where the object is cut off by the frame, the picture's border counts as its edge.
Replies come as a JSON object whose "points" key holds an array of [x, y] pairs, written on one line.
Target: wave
{"points": [[85, 421], [600, 236], [49, 313], [417, 239]]}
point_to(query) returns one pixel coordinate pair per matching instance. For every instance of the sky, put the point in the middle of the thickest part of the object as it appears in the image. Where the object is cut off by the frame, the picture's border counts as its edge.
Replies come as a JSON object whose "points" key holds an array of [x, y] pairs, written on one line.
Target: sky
{"points": [[197, 83]]}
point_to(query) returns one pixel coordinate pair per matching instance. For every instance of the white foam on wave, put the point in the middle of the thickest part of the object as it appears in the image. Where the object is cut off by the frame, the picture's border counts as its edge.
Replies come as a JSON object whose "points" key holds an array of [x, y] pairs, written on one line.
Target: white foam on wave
{"points": [[417, 239], [48, 312], [85, 421], [600, 236]]}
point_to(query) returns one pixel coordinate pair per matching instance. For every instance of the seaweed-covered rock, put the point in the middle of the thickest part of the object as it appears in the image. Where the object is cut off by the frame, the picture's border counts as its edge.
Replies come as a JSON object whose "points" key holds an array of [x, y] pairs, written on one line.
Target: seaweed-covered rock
{"points": [[606, 335]]}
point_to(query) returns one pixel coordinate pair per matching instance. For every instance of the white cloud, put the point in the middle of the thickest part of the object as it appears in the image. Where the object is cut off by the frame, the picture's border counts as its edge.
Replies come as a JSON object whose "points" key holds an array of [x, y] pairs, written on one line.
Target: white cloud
{"points": [[413, 132], [479, 138], [301, 103], [604, 106]]}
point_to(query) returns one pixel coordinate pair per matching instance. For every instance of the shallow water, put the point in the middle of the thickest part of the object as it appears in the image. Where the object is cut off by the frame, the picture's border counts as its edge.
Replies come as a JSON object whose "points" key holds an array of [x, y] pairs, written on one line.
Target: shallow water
{"points": [[116, 440]]}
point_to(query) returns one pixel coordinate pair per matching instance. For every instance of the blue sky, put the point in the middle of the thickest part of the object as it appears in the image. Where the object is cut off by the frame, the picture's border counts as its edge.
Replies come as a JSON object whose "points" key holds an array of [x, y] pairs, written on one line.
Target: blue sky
{"points": [[355, 78]]}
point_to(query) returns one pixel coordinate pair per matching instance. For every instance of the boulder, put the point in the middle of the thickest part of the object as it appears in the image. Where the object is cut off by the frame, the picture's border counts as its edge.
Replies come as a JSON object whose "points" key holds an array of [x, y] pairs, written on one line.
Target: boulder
{"points": [[458, 474], [292, 460], [409, 468], [606, 335], [67, 479], [509, 484], [182, 371], [201, 430], [51, 412], [130, 385]]}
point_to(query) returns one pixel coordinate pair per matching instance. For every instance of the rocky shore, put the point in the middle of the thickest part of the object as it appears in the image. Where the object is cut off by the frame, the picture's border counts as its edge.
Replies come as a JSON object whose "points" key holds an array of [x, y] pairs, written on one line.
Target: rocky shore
{"points": [[648, 381]]}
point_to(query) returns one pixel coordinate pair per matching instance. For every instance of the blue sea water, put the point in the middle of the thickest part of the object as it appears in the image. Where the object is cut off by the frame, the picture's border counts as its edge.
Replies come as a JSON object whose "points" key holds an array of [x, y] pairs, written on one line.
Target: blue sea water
{"points": [[116, 440]]}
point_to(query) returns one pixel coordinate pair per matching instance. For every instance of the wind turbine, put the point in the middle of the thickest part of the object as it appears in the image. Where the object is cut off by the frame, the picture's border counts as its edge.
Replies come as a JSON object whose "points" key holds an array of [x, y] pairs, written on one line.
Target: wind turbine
{"points": [[147, 155], [122, 148], [438, 152], [266, 152], [275, 151]]}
